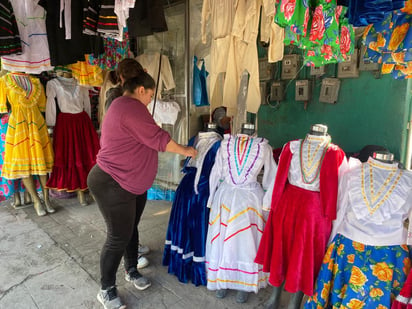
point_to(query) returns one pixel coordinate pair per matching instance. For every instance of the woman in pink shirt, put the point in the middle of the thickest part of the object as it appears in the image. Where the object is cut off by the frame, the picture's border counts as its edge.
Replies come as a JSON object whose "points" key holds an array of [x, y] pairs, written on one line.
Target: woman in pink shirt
{"points": [[125, 170]]}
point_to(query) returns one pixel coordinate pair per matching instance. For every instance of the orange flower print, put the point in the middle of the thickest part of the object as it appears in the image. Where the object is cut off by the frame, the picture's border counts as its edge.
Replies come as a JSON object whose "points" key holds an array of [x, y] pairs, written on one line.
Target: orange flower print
{"points": [[357, 277], [408, 7], [405, 247], [398, 35], [340, 249], [343, 291], [376, 293], [351, 258], [325, 291], [366, 31], [407, 70], [380, 42], [381, 307], [396, 283], [355, 304], [399, 58], [335, 269], [382, 271], [328, 254], [387, 68], [358, 246], [406, 265]]}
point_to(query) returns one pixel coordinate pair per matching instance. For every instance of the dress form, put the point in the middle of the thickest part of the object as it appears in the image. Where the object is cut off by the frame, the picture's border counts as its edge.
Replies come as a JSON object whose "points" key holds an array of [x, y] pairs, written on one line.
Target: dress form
{"points": [[296, 298], [24, 82], [241, 296]]}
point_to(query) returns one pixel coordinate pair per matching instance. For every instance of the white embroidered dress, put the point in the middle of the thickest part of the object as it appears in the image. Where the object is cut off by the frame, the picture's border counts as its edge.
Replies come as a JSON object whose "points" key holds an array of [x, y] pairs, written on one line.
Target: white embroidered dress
{"points": [[236, 220], [374, 200]]}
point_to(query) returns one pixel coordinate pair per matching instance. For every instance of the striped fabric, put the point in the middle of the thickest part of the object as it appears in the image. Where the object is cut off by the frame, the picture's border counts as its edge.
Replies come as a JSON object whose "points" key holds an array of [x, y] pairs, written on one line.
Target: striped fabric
{"points": [[99, 17], [9, 33]]}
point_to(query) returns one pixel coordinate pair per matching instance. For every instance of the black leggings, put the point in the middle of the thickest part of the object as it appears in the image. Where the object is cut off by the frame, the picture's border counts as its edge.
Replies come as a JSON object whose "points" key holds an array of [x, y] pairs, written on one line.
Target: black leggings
{"points": [[121, 211]]}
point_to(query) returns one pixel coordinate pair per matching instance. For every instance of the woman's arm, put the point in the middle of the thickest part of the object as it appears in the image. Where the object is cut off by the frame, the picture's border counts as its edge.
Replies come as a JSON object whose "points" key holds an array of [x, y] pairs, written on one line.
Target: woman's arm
{"points": [[174, 147]]}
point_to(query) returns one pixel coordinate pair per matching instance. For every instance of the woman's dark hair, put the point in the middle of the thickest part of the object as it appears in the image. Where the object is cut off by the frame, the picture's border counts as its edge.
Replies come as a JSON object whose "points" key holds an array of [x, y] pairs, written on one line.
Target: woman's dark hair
{"points": [[128, 68], [143, 79]]}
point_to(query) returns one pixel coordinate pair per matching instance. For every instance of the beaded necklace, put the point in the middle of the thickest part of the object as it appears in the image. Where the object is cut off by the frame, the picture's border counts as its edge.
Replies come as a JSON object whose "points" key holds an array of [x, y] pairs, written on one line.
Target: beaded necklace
{"points": [[312, 166], [371, 203]]}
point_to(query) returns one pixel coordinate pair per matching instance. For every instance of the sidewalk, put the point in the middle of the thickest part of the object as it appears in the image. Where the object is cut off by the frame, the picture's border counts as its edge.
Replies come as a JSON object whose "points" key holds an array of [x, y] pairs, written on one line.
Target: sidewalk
{"points": [[53, 262]]}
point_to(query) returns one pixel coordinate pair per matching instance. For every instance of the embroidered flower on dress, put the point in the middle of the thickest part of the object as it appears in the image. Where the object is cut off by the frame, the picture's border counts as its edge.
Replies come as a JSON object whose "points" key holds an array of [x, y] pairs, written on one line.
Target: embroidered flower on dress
{"points": [[288, 8], [318, 24]]}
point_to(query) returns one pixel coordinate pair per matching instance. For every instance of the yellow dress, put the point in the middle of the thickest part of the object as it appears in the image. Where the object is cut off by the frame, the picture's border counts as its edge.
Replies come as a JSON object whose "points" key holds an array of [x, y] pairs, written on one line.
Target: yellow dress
{"points": [[28, 150]]}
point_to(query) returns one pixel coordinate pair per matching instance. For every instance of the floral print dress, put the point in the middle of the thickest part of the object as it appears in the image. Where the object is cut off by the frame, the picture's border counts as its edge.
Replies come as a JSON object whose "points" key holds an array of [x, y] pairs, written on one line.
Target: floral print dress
{"points": [[390, 42]]}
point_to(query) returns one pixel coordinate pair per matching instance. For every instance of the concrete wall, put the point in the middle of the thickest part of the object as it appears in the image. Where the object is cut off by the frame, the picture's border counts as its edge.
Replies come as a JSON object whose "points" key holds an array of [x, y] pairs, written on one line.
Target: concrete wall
{"points": [[369, 111]]}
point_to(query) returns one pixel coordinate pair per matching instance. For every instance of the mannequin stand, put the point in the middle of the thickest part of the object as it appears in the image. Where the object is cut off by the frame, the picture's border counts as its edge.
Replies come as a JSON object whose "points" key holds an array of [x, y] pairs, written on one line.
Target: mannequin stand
{"points": [[27, 202], [274, 299], [241, 296], [82, 198], [38, 206]]}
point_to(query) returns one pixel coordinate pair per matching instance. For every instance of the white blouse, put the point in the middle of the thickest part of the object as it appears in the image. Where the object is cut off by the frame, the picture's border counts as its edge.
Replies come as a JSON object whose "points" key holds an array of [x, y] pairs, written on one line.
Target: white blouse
{"points": [[221, 14], [313, 151], [166, 112], [238, 162], [374, 200], [71, 97]]}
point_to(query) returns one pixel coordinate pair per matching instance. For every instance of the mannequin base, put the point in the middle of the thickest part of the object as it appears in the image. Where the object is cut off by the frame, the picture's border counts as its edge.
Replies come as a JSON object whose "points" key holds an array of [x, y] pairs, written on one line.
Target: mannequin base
{"points": [[82, 198]]}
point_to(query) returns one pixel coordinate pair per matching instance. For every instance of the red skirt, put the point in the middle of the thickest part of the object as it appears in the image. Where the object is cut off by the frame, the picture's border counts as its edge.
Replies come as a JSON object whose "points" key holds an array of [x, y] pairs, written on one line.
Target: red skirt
{"points": [[75, 144], [294, 240]]}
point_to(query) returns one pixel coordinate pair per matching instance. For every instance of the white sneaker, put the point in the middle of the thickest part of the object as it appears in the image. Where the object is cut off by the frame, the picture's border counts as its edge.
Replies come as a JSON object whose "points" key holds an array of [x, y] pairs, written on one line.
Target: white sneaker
{"points": [[109, 299], [143, 249], [142, 262]]}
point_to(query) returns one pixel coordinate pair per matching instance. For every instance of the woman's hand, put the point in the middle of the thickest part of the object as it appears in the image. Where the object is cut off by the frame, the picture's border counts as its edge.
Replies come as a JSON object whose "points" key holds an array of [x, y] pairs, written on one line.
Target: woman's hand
{"points": [[190, 152]]}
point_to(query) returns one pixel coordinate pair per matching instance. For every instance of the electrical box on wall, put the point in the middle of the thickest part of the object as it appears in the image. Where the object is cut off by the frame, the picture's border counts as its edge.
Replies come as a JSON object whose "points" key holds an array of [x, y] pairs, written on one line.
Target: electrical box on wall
{"points": [[317, 71], [290, 66], [365, 64], [277, 91], [349, 68], [303, 90], [329, 91], [265, 69], [263, 93]]}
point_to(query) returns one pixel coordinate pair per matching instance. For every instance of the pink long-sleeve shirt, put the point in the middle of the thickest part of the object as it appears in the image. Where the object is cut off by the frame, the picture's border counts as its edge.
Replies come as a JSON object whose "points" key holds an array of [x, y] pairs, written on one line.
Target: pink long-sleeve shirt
{"points": [[130, 141]]}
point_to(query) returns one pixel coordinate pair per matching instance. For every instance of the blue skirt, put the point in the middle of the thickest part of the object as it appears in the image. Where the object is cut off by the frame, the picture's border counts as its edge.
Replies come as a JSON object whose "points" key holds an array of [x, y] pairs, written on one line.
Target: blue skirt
{"points": [[354, 275]]}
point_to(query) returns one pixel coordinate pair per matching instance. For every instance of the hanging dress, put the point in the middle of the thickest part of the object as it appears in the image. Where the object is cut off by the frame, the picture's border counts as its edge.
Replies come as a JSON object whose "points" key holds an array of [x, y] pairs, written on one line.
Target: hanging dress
{"points": [[28, 150], [75, 140], [184, 251], [301, 214], [367, 262], [236, 220], [35, 56], [10, 42]]}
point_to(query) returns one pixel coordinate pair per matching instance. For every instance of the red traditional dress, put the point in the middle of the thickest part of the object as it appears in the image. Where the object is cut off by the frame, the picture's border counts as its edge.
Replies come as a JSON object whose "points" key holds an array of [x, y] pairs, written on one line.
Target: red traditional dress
{"points": [[303, 207]]}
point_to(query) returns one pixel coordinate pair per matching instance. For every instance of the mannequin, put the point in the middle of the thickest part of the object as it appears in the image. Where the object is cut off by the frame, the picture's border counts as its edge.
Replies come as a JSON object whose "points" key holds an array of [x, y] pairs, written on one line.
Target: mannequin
{"points": [[368, 236], [296, 298], [75, 141], [236, 218], [25, 94], [307, 174], [184, 250]]}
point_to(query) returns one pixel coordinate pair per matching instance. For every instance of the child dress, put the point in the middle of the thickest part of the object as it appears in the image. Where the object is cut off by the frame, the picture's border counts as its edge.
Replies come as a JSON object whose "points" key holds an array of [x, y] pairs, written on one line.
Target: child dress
{"points": [[185, 244], [236, 220]]}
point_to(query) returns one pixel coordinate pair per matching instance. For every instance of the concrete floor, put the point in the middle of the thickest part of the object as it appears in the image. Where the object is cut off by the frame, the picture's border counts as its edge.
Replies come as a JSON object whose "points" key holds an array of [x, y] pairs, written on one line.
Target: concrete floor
{"points": [[53, 262]]}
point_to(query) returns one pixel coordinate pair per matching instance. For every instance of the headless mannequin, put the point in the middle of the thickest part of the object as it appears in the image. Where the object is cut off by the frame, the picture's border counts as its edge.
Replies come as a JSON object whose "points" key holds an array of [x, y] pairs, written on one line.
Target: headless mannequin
{"points": [[296, 298], [31, 189], [80, 194], [241, 296], [383, 156]]}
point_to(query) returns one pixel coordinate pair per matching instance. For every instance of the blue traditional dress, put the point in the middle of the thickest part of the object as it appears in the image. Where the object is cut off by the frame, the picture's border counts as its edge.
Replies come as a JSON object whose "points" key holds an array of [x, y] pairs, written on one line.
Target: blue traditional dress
{"points": [[184, 251]]}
